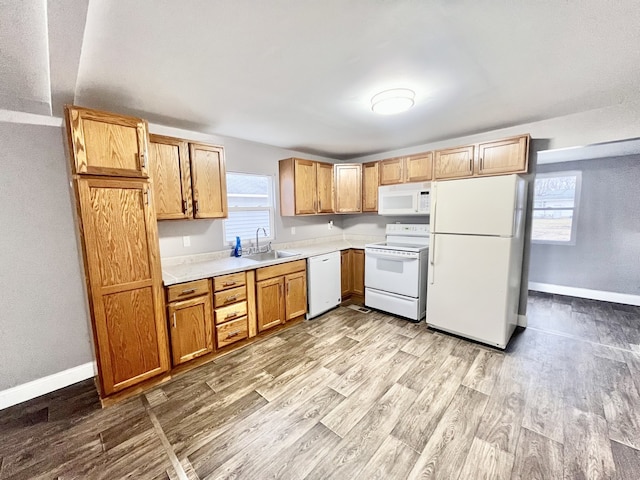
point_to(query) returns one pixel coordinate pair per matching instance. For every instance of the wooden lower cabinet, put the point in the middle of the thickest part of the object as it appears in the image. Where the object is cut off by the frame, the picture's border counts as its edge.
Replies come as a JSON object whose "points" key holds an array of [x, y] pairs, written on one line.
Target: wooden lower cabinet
{"points": [[270, 303], [357, 265], [232, 308], [281, 293], [295, 295], [352, 272], [231, 332], [190, 323], [345, 273]]}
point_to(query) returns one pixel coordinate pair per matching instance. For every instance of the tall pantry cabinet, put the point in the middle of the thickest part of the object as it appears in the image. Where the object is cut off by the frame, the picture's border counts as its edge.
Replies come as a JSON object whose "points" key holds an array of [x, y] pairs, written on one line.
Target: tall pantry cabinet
{"points": [[119, 237]]}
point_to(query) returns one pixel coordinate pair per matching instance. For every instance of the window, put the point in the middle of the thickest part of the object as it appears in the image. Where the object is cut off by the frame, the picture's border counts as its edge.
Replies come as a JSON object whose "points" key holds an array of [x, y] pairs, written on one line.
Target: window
{"points": [[250, 200], [555, 206]]}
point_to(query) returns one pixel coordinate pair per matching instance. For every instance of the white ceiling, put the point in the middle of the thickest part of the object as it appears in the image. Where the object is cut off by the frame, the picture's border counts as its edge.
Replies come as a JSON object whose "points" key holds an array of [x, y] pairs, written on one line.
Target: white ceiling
{"points": [[300, 73]]}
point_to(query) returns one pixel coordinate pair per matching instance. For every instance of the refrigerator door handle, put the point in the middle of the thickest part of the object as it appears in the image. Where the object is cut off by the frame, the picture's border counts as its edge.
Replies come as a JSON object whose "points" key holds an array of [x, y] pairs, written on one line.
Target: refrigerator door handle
{"points": [[435, 210], [432, 259]]}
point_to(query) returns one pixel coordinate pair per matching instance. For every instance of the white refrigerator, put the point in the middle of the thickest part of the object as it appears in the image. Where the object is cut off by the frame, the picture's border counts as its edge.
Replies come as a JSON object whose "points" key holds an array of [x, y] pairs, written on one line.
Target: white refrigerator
{"points": [[475, 257]]}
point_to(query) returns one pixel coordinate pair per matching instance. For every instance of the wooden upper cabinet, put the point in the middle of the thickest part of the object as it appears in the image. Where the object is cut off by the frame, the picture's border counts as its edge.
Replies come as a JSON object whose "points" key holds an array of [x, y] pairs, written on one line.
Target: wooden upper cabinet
{"points": [[454, 163], [348, 180], [418, 168], [208, 179], [504, 156], [299, 193], [191, 327], [415, 168], [325, 187], [103, 143], [305, 186], [370, 183], [170, 174], [392, 171], [120, 246]]}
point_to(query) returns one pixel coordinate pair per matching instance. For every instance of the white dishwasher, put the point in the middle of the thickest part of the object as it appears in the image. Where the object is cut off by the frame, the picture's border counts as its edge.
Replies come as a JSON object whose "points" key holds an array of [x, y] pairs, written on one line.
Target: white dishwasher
{"points": [[323, 283]]}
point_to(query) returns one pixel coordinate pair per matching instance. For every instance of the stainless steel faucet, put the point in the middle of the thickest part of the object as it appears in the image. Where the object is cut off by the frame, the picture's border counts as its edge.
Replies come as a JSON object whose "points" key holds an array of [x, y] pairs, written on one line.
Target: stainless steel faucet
{"points": [[257, 244]]}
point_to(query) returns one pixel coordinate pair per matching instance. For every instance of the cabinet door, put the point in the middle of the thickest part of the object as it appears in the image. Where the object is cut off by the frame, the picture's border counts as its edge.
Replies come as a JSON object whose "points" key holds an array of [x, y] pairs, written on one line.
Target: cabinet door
{"points": [[346, 278], [357, 267], [170, 175], [419, 167], [370, 183], [270, 303], [305, 186], [122, 261], [191, 329], [453, 163], [208, 178], [348, 188], [296, 294], [391, 171], [504, 156], [325, 188], [104, 143]]}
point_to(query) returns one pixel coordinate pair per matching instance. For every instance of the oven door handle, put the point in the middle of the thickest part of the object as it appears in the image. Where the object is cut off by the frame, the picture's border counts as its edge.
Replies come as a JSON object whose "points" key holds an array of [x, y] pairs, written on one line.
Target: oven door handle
{"points": [[397, 258]]}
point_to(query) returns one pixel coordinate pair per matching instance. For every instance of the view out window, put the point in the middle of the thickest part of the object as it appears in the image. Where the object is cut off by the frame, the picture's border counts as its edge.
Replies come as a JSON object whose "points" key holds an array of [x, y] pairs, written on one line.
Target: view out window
{"points": [[555, 205], [250, 200]]}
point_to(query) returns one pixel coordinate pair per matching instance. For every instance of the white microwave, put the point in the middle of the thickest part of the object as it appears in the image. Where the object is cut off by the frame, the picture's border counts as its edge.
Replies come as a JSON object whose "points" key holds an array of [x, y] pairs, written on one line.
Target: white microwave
{"points": [[404, 199]]}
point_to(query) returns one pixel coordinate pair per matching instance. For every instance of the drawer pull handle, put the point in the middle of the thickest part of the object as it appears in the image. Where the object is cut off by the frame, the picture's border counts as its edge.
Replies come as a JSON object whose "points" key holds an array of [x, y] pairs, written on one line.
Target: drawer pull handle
{"points": [[187, 292], [228, 284], [232, 314], [231, 298], [233, 334]]}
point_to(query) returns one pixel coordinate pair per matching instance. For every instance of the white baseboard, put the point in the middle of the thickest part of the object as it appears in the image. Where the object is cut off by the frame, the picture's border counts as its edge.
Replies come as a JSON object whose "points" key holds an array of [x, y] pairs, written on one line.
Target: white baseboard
{"points": [[41, 386], [522, 321], [614, 297]]}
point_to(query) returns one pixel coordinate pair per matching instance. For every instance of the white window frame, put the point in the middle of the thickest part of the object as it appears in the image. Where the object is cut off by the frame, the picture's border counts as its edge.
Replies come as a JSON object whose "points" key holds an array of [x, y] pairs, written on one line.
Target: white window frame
{"points": [[270, 209], [576, 206]]}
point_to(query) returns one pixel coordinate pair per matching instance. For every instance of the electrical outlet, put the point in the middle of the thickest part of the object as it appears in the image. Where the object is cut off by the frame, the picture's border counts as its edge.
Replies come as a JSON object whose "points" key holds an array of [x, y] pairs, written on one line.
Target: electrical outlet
{"points": [[293, 230], [330, 224], [186, 241]]}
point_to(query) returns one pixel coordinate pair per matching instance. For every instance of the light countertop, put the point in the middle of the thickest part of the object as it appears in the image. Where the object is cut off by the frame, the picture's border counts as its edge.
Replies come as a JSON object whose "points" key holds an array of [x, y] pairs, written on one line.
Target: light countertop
{"points": [[195, 267]]}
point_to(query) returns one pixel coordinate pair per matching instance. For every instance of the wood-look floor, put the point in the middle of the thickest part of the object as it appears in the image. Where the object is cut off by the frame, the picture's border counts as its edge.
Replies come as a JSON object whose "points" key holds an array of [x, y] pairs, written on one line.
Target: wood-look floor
{"points": [[364, 396]]}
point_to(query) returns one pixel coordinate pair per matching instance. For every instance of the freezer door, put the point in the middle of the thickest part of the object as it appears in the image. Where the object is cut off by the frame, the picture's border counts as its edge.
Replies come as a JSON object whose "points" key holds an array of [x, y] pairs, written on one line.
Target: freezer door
{"points": [[472, 286], [477, 206]]}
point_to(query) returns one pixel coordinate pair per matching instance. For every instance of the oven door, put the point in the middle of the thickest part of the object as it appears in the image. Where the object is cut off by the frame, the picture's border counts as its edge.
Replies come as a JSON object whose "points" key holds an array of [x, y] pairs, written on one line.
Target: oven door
{"points": [[392, 271]]}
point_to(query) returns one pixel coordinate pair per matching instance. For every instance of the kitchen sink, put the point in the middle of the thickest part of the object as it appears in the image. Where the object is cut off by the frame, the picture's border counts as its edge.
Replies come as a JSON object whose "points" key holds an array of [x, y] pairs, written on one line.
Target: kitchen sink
{"points": [[272, 255]]}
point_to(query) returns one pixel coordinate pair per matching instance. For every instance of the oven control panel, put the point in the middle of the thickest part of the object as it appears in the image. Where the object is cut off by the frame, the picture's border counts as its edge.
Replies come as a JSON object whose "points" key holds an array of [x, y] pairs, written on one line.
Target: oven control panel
{"points": [[408, 229]]}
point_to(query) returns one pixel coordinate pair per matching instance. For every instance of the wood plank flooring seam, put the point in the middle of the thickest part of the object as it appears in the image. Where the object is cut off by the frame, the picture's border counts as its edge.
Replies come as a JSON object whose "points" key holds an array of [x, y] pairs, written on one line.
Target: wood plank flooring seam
{"points": [[182, 475], [580, 339]]}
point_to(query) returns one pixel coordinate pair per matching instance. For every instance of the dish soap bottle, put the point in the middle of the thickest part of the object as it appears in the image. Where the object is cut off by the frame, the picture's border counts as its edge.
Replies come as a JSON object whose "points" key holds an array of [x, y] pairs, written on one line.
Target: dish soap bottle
{"points": [[237, 251]]}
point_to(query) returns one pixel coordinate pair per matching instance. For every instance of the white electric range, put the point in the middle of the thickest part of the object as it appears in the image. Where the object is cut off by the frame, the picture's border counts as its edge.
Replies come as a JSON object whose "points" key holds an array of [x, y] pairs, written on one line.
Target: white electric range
{"points": [[395, 273]]}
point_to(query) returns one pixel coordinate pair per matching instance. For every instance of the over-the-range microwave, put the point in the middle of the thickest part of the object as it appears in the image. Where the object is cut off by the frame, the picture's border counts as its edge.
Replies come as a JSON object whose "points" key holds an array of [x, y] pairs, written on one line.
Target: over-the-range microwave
{"points": [[404, 199]]}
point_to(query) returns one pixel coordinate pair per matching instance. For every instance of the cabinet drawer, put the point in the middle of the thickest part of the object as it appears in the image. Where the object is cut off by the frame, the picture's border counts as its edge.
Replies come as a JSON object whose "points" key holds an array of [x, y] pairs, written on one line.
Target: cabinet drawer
{"points": [[280, 269], [183, 291], [224, 314], [225, 282], [231, 332], [227, 297]]}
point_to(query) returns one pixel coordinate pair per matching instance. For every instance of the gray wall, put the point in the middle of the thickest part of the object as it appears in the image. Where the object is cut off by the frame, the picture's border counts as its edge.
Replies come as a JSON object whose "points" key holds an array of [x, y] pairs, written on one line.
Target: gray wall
{"points": [[606, 255], [44, 325], [246, 157]]}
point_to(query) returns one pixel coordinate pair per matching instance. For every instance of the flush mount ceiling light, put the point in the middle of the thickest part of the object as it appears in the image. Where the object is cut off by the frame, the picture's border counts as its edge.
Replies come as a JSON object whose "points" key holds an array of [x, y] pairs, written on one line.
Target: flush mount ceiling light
{"points": [[392, 101]]}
